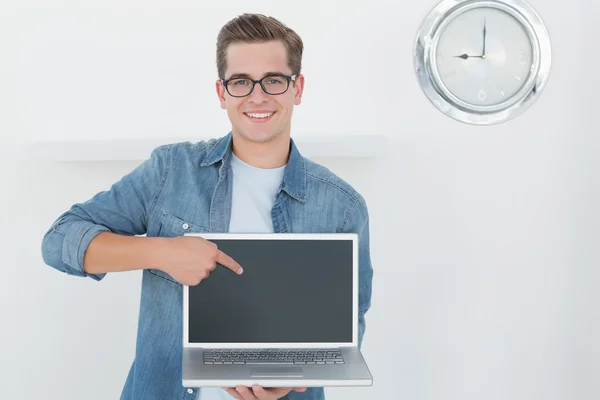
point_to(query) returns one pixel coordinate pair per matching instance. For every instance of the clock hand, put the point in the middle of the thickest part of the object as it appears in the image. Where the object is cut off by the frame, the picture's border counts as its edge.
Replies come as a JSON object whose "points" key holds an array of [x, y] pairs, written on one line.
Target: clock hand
{"points": [[484, 35], [465, 56]]}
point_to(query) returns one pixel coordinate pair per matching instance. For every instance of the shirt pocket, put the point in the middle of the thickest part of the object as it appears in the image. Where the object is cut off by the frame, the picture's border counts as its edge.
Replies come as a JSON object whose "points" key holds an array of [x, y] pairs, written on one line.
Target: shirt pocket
{"points": [[171, 226]]}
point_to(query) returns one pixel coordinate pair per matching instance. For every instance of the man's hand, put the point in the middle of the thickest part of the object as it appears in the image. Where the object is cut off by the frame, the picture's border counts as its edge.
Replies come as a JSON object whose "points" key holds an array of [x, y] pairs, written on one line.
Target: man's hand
{"points": [[190, 259], [259, 393]]}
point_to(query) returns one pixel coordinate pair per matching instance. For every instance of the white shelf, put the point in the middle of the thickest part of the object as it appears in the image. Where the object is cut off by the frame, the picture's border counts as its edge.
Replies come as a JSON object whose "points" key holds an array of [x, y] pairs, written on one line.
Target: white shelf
{"points": [[140, 149]]}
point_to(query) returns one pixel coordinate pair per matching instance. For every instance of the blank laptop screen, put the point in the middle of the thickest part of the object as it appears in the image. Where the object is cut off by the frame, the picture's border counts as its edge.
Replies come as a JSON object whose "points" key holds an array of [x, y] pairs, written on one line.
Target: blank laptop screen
{"points": [[292, 290]]}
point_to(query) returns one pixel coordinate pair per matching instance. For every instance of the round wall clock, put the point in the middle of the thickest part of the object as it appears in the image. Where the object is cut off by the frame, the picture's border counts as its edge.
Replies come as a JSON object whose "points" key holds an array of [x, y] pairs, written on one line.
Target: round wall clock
{"points": [[482, 61]]}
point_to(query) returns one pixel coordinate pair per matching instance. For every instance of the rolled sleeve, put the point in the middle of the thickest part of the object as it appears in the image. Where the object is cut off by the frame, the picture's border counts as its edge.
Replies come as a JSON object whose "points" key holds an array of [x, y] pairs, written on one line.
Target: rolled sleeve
{"points": [[123, 210], [76, 241]]}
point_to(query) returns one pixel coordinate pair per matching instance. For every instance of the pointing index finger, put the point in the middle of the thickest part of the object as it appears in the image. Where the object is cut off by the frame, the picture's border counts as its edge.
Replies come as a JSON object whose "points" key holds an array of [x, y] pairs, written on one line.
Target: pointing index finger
{"points": [[229, 262]]}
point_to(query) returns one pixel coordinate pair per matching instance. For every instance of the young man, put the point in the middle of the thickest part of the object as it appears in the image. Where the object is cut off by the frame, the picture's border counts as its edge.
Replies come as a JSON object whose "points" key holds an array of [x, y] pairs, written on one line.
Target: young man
{"points": [[252, 180]]}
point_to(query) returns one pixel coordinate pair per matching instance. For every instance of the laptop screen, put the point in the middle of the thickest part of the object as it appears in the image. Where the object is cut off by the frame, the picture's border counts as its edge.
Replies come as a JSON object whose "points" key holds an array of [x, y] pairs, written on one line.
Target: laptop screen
{"points": [[291, 291]]}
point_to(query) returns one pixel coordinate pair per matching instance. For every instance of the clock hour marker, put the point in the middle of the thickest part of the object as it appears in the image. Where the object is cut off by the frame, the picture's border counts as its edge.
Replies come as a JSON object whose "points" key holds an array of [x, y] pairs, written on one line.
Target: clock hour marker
{"points": [[448, 75], [517, 78], [481, 94], [522, 57], [502, 93]]}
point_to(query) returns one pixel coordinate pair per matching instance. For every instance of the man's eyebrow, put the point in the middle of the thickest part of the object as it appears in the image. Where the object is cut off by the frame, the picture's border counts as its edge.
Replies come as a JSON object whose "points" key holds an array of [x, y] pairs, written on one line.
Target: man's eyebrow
{"points": [[244, 75]]}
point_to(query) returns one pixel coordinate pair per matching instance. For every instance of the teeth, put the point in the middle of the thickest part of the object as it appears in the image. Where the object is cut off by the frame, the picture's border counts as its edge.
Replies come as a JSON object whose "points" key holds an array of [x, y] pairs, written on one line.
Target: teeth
{"points": [[254, 115]]}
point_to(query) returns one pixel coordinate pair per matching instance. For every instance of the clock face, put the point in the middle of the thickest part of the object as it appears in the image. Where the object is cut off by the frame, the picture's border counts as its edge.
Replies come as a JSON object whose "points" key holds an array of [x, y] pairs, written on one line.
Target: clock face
{"points": [[483, 56]]}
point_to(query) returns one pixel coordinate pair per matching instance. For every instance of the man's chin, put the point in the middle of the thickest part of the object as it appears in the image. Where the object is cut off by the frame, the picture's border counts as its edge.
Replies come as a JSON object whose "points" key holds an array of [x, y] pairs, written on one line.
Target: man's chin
{"points": [[258, 136]]}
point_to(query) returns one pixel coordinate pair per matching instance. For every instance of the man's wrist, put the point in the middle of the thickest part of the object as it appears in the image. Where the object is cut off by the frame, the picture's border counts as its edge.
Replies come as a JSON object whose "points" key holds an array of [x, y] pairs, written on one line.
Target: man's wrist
{"points": [[155, 248]]}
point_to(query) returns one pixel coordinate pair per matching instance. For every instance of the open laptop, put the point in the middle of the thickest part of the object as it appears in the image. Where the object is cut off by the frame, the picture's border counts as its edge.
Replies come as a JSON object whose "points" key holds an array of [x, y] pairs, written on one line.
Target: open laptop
{"points": [[290, 320]]}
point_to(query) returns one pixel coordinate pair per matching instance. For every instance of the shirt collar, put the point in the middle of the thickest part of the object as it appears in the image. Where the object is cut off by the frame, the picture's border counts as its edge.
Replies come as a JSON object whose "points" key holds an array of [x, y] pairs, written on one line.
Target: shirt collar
{"points": [[294, 177]]}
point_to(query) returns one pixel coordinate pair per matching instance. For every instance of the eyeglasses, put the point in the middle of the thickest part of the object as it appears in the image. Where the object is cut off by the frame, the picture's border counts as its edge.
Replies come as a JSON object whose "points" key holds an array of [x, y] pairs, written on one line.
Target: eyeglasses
{"points": [[272, 84]]}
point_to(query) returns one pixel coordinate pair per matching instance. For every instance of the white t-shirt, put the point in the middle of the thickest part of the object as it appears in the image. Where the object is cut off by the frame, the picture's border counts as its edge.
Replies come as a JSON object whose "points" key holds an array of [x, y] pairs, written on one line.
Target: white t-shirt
{"points": [[254, 191]]}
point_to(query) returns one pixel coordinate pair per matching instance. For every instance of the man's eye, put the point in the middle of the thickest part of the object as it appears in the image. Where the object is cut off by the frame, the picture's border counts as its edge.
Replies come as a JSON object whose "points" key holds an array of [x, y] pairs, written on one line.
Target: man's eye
{"points": [[240, 82]]}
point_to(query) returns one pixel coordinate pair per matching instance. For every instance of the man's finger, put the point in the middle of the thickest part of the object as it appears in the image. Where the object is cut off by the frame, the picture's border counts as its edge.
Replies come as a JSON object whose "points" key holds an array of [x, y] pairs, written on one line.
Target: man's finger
{"points": [[228, 262], [233, 393], [267, 394], [246, 393], [299, 389], [280, 392]]}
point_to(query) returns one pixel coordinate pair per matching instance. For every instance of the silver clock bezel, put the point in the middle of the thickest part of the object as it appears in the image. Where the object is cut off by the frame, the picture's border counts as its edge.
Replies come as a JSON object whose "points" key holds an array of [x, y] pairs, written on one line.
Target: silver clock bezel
{"points": [[448, 103]]}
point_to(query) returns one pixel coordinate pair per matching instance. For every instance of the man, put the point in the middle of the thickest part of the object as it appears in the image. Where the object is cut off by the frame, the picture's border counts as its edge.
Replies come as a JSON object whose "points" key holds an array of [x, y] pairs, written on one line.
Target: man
{"points": [[252, 180]]}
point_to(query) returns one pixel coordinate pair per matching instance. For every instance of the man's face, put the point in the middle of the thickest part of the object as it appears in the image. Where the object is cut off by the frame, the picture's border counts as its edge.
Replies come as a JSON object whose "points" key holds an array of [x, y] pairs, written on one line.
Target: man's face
{"points": [[259, 117]]}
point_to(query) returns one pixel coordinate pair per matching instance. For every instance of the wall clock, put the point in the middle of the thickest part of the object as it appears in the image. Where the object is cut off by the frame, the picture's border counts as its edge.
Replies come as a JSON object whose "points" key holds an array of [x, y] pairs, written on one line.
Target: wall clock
{"points": [[482, 61]]}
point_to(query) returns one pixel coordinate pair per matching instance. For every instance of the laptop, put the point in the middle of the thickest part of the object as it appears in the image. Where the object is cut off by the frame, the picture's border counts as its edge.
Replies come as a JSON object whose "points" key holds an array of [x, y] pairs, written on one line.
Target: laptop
{"points": [[290, 320]]}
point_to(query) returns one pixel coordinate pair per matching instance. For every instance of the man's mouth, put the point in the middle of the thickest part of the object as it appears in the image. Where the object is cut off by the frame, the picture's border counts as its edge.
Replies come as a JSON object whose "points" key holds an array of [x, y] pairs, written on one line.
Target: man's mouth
{"points": [[260, 117]]}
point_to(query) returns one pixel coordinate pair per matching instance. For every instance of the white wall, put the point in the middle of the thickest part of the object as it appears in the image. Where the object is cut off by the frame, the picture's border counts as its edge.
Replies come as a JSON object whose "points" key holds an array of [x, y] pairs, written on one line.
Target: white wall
{"points": [[484, 239]]}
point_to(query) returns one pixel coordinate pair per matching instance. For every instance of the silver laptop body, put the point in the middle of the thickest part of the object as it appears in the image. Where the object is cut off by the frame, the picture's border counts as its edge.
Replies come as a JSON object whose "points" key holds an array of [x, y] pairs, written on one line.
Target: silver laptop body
{"points": [[290, 320]]}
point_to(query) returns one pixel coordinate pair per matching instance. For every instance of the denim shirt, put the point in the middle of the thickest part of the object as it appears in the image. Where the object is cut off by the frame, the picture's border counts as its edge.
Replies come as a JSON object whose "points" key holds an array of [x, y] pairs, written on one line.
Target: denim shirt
{"points": [[186, 187]]}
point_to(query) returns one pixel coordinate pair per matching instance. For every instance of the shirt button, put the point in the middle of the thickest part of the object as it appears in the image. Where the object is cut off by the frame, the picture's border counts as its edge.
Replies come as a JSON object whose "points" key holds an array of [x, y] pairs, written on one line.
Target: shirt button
{"points": [[186, 226], [190, 391]]}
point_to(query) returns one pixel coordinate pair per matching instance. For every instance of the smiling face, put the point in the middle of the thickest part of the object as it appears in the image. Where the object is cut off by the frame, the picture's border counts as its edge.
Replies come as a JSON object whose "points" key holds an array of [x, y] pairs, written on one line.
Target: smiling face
{"points": [[259, 117]]}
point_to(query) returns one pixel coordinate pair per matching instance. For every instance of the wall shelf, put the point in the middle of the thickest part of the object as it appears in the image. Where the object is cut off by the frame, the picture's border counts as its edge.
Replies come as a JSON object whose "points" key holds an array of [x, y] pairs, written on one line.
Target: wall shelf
{"points": [[359, 146]]}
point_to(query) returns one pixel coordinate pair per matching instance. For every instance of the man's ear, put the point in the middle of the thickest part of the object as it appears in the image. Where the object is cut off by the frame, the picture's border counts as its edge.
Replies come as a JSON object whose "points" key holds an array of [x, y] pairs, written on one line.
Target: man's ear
{"points": [[221, 93], [299, 88]]}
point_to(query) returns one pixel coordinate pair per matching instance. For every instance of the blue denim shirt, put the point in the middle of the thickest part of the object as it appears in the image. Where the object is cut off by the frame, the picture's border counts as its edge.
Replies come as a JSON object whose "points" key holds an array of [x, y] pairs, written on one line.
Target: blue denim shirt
{"points": [[186, 187]]}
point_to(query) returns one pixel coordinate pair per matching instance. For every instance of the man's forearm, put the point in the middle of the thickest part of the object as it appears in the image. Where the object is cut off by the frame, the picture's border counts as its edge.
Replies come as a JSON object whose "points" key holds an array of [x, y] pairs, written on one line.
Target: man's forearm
{"points": [[110, 252]]}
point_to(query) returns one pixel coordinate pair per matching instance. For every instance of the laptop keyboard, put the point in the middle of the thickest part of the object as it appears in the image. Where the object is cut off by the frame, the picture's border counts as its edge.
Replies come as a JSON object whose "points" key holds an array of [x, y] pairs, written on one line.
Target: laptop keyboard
{"points": [[273, 356]]}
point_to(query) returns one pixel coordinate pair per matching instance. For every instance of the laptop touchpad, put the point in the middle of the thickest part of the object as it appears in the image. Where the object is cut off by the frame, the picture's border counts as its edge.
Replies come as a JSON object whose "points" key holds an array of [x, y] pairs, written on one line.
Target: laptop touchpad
{"points": [[281, 372]]}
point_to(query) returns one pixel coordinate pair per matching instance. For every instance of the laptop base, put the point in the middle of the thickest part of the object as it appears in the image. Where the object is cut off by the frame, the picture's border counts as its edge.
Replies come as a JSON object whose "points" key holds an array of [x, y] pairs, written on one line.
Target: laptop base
{"points": [[354, 372]]}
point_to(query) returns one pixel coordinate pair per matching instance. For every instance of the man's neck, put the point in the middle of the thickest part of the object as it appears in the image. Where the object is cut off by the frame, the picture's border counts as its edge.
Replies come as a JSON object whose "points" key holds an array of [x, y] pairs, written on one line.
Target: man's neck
{"points": [[272, 154]]}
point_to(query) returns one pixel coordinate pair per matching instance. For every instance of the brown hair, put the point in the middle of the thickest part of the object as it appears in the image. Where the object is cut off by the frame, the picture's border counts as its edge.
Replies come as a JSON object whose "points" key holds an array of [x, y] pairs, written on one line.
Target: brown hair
{"points": [[257, 28]]}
